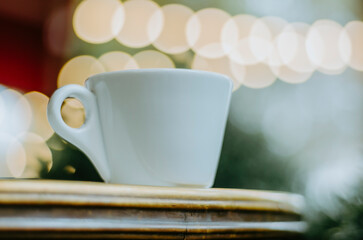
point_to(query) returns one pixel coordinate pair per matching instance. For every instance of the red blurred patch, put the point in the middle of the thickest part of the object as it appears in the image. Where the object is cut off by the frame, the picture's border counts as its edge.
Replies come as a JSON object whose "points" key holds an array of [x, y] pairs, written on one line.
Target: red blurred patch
{"points": [[21, 56]]}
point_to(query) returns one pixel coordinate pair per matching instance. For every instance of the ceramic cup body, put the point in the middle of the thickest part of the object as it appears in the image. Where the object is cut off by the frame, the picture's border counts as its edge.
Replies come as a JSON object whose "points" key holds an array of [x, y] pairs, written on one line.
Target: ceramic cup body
{"points": [[160, 127]]}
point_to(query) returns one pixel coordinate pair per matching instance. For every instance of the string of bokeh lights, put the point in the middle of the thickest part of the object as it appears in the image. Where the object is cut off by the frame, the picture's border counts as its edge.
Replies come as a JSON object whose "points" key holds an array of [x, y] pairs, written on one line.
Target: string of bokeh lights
{"points": [[253, 51]]}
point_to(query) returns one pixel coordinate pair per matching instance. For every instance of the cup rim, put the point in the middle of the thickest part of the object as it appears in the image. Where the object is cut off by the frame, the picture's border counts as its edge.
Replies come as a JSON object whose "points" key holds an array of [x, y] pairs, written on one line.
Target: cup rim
{"points": [[100, 76]]}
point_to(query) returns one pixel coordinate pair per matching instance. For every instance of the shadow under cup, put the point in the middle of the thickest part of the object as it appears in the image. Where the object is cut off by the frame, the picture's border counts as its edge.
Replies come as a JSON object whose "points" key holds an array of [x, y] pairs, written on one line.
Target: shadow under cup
{"points": [[160, 127]]}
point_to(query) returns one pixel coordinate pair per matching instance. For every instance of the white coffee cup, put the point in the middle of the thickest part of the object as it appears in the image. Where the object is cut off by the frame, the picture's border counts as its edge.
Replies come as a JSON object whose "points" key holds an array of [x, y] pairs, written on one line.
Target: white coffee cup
{"points": [[160, 127]]}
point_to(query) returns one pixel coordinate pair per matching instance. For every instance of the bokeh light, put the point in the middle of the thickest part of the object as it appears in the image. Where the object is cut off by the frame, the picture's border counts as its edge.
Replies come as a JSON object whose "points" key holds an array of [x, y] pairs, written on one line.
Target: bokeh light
{"points": [[239, 40], [287, 43], [153, 59], [144, 22], [78, 69], [38, 155], [292, 48], [172, 38], [259, 40], [204, 30], [116, 61], [258, 75], [323, 43], [354, 30], [17, 112], [98, 21], [69, 169], [12, 156], [238, 74], [56, 143], [55, 32], [292, 63], [288, 59], [219, 65], [286, 74], [40, 125], [73, 113], [276, 26]]}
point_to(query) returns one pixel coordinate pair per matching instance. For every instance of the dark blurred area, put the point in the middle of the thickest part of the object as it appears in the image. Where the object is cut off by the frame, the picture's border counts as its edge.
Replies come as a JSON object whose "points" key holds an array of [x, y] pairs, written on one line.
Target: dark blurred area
{"points": [[25, 62]]}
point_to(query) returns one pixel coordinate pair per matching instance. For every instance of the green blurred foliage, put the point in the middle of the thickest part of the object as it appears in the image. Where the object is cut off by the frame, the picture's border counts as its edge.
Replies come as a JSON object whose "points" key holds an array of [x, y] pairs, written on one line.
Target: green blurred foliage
{"points": [[246, 163], [346, 225]]}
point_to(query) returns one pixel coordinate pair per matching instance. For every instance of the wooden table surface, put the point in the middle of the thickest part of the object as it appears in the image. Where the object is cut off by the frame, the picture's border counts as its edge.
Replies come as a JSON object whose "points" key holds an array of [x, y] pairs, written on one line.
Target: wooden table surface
{"points": [[85, 210]]}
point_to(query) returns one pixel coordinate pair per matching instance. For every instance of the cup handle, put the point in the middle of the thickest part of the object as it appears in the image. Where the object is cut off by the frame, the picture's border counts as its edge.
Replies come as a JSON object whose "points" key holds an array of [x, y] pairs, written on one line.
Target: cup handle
{"points": [[88, 137]]}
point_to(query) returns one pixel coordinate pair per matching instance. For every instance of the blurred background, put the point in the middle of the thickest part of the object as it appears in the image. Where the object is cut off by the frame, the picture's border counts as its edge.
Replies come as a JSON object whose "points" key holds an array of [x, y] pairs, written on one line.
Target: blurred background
{"points": [[296, 116]]}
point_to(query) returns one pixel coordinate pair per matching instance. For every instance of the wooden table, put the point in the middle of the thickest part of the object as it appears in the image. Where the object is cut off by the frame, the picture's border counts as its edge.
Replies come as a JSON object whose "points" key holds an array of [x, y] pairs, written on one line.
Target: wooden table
{"points": [[84, 210]]}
